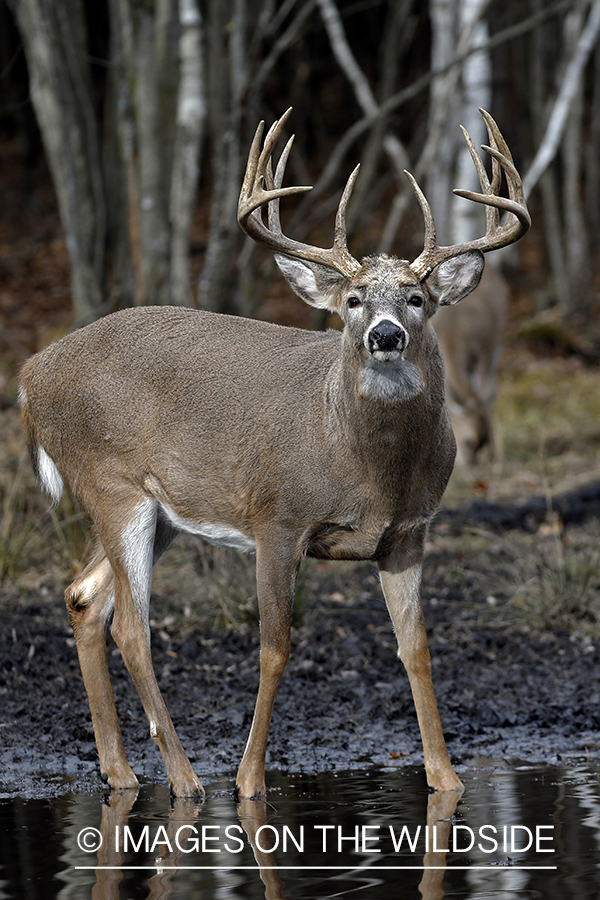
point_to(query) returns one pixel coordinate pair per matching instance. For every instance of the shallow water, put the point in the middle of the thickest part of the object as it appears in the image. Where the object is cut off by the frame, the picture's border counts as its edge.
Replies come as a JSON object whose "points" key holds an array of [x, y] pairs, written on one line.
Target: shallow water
{"points": [[526, 833]]}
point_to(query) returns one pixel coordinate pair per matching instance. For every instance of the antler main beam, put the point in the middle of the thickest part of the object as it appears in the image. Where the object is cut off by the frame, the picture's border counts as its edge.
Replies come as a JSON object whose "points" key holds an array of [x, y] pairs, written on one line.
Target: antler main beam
{"points": [[260, 188], [497, 235]]}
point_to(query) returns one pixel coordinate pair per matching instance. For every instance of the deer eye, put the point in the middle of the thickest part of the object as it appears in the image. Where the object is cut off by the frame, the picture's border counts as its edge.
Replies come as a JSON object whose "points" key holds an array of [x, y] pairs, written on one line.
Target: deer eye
{"points": [[416, 300], [353, 301]]}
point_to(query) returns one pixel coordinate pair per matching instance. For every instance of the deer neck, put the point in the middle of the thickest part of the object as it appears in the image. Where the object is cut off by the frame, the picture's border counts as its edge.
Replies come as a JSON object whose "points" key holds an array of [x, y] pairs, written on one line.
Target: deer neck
{"points": [[397, 410]]}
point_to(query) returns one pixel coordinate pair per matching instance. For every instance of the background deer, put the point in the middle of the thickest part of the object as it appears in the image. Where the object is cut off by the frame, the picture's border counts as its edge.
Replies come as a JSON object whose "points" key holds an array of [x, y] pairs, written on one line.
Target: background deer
{"points": [[471, 340], [272, 440]]}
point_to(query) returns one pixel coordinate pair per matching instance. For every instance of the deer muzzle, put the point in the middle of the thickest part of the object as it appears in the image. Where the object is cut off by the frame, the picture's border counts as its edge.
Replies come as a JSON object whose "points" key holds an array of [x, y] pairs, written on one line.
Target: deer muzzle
{"points": [[387, 337]]}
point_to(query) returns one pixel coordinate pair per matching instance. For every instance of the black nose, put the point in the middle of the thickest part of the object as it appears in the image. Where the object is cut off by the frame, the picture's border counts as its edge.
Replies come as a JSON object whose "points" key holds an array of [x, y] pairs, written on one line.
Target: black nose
{"points": [[387, 335]]}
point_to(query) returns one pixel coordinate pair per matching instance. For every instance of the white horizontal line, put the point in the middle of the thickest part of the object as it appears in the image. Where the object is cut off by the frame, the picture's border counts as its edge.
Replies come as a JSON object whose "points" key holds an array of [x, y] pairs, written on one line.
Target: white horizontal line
{"points": [[159, 867]]}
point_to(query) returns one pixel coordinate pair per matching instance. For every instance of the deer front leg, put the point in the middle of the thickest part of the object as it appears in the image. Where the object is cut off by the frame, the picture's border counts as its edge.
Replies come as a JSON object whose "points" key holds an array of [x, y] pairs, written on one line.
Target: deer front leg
{"points": [[401, 582], [275, 580]]}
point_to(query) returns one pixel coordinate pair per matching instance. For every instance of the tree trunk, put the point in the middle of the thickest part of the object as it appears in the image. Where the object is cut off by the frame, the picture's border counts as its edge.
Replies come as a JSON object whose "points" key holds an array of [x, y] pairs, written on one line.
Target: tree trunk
{"points": [[225, 28], [126, 181], [191, 114], [55, 42], [467, 220], [149, 41], [578, 302], [444, 31]]}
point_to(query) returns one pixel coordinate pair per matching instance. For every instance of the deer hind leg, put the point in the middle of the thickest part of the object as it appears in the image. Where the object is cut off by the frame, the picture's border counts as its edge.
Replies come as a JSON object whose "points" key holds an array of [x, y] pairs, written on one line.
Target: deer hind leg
{"points": [[275, 580], [401, 582], [90, 602], [132, 550]]}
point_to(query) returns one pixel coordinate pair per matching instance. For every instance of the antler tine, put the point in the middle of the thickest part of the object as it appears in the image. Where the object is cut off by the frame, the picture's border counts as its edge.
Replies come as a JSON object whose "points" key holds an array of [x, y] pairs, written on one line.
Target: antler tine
{"points": [[496, 235], [251, 166], [274, 184], [260, 187], [498, 143], [430, 239], [252, 193], [492, 216], [495, 134], [515, 203], [273, 135], [340, 239]]}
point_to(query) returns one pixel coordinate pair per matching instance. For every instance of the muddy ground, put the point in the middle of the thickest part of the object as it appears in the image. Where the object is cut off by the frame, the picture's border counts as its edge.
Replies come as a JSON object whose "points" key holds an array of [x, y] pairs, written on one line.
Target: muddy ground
{"points": [[507, 690]]}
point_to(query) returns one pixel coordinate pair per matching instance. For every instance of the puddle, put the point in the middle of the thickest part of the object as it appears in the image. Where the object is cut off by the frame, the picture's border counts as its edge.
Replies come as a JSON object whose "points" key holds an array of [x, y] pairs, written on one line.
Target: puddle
{"points": [[375, 835]]}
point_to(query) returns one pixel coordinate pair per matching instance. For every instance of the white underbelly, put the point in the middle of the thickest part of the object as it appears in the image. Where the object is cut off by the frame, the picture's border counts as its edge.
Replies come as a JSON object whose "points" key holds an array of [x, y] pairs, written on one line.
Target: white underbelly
{"points": [[221, 535]]}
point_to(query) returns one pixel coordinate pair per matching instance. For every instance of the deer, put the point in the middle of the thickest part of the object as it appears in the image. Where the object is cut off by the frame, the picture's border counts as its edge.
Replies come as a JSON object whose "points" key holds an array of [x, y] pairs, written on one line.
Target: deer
{"points": [[281, 442], [470, 338]]}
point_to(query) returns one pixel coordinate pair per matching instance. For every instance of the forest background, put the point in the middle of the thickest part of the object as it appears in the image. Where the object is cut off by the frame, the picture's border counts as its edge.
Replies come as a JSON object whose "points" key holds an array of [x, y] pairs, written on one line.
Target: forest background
{"points": [[124, 129]]}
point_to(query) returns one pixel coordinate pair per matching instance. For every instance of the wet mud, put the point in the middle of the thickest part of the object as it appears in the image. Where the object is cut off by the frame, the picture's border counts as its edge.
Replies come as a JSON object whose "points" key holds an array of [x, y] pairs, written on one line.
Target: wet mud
{"points": [[344, 701]]}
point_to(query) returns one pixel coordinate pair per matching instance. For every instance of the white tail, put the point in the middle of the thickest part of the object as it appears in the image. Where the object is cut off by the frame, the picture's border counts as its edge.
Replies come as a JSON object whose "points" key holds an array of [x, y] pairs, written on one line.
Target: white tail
{"points": [[279, 441], [471, 340]]}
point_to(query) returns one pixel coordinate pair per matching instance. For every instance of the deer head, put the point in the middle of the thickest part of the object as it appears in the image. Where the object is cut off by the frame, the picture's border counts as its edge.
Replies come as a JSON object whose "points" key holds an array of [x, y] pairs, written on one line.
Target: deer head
{"points": [[384, 302]]}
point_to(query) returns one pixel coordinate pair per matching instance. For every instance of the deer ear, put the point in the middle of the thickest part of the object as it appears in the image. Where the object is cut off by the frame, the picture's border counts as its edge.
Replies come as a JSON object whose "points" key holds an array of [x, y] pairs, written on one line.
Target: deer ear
{"points": [[455, 278], [317, 285]]}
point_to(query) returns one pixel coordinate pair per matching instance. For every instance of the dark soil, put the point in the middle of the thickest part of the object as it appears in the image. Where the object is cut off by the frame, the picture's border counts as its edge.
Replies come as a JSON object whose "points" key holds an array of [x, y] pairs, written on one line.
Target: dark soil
{"points": [[344, 701]]}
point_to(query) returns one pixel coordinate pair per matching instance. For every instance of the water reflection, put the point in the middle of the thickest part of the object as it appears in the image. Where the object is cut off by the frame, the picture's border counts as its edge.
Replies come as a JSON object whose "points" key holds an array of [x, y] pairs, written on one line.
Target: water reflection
{"points": [[514, 834]]}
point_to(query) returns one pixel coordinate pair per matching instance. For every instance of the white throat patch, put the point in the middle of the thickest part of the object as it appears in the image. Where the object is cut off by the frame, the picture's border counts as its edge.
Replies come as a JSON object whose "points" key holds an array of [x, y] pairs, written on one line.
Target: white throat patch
{"points": [[390, 382]]}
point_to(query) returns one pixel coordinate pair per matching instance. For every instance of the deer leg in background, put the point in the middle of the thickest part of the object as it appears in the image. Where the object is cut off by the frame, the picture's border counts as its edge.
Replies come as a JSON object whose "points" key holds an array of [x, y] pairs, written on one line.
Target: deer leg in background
{"points": [[401, 581], [275, 581], [132, 556]]}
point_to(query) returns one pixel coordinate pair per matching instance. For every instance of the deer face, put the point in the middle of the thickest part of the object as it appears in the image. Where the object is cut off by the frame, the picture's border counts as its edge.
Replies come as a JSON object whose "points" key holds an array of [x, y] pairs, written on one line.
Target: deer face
{"points": [[386, 312], [384, 302]]}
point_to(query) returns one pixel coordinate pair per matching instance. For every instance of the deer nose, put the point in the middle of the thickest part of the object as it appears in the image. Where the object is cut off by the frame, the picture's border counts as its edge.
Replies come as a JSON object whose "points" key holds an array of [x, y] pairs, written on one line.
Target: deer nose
{"points": [[386, 335]]}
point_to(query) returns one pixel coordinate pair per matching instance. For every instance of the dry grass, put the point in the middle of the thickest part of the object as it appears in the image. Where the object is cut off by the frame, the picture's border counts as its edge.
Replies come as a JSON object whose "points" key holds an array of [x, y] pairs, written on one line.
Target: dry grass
{"points": [[548, 435], [547, 432], [531, 583], [558, 584]]}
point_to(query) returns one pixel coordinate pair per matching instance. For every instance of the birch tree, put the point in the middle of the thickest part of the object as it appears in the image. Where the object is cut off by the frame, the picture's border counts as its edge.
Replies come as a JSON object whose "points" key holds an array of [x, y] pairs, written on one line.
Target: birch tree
{"points": [[456, 97], [125, 180], [558, 113], [160, 112]]}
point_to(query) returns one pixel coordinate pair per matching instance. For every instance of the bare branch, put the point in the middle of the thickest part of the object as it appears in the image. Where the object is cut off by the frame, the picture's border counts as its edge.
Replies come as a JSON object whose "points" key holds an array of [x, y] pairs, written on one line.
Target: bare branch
{"points": [[562, 104], [362, 89], [282, 43], [408, 93]]}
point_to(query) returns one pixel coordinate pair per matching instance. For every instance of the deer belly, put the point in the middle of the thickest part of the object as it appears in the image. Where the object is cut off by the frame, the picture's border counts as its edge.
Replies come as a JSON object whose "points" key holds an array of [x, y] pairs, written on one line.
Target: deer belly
{"points": [[334, 541], [214, 533]]}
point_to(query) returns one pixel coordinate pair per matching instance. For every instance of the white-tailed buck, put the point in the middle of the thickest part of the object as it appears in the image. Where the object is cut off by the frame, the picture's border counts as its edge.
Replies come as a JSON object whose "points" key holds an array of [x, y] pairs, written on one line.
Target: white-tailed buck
{"points": [[471, 341], [281, 442]]}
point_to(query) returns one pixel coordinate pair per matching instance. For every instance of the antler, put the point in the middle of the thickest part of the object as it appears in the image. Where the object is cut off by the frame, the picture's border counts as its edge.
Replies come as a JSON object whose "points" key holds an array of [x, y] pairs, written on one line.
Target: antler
{"points": [[259, 187], [497, 235]]}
